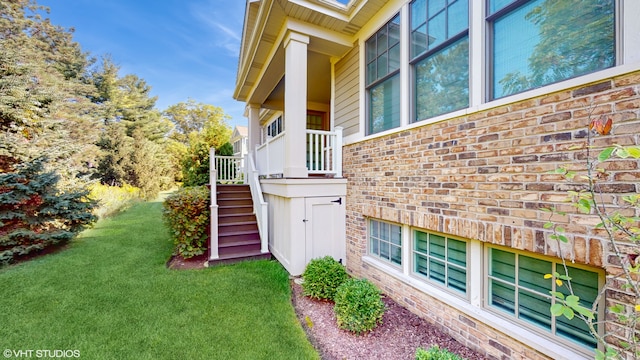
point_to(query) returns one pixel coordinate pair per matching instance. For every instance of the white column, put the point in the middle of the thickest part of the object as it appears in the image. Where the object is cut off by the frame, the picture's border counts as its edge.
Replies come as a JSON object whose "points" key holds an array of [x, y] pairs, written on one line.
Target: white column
{"points": [[253, 111], [295, 105]]}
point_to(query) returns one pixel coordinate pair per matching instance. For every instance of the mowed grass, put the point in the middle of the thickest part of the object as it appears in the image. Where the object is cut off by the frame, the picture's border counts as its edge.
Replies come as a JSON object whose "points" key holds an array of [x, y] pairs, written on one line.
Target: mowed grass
{"points": [[110, 297]]}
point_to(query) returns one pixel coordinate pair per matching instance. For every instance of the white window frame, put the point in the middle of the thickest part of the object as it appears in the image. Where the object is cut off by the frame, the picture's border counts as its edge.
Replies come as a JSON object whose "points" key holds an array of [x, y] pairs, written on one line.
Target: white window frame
{"points": [[381, 239], [627, 46]]}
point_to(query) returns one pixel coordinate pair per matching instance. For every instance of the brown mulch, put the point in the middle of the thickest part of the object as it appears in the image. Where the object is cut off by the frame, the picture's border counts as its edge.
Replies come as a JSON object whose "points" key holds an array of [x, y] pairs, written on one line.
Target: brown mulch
{"points": [[398, 337]]}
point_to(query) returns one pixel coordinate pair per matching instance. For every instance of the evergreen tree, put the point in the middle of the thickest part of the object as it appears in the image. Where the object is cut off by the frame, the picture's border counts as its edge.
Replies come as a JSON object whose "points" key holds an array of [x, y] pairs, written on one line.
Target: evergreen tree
{"points": [[36, 213]]}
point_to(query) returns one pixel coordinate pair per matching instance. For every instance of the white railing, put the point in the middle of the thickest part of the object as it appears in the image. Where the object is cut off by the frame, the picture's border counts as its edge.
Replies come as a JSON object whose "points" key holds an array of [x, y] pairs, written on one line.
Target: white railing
{"points": [[260, 207], [270, 156], [230, 169], [213, 238], [324, 152], [323, 148]]}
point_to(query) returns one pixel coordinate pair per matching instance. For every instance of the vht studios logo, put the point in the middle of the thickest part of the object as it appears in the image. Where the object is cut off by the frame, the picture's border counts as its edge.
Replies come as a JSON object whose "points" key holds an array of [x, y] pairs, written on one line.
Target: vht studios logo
{"points": [[41, 354]]}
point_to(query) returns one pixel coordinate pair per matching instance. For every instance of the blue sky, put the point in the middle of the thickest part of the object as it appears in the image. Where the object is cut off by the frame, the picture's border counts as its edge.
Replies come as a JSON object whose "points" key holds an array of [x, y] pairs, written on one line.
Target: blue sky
{"points": [[182, 49]]}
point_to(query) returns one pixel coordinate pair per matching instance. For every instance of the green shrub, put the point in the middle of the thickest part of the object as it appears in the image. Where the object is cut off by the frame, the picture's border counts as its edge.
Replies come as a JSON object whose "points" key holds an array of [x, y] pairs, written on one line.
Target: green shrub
{"points": [[186, 213], [322, 277], [435, 353], [359, 306]]}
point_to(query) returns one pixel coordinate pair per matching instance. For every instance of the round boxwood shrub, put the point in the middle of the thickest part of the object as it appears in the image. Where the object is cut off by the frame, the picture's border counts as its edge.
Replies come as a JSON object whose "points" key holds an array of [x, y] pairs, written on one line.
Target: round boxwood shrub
{"points": [[358, 305], [322, 277]]}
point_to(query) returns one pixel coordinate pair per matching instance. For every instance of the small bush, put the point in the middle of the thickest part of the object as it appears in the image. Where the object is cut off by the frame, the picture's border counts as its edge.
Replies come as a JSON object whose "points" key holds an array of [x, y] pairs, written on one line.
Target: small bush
{"points": [[359, 306], [186, 213], [113, 199], [435, 353], [322, 277]]}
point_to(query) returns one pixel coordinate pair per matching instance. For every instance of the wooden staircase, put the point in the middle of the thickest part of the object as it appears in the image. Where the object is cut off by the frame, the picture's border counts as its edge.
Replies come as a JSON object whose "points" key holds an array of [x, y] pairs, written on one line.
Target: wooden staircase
{"points": [[238, 235]]}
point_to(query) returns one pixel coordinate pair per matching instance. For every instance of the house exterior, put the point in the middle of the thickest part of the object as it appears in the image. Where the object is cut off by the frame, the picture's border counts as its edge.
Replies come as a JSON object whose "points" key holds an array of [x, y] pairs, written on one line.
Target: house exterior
{"points": [[238, 140], [439, 123]]}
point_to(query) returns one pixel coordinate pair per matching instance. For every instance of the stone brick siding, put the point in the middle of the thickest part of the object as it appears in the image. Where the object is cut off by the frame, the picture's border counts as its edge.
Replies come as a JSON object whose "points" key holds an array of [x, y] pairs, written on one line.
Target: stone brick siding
{"points": [[484, 176]]}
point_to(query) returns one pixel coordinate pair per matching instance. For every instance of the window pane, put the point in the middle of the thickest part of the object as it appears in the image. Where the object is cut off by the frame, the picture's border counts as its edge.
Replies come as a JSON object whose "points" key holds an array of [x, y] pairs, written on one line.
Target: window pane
{"points": [[419, 41], [382, 42], [457, 252], [437, 30], [442, 81], [533, 46], [384, 109], [457, 279], [395, 235], [534, 309], [436, 246], [371, 49], [418, 13], [531, 274], [437, 271], [420, 242], [503, 265], [372, 73], [458, 17], [420, 266], [396, 254], [435, 6], [394, 58], [382, 66], [502, 296]]}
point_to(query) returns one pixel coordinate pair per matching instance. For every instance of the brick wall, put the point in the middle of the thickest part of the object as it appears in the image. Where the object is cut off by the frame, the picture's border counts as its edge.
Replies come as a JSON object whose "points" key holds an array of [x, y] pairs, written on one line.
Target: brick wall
{"points": [[485, 176]]}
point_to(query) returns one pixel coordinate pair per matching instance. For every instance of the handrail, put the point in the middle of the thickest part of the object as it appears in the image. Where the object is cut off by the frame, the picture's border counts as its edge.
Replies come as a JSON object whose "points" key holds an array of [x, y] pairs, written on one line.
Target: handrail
{"points": [[260, 207], [213, 238]]}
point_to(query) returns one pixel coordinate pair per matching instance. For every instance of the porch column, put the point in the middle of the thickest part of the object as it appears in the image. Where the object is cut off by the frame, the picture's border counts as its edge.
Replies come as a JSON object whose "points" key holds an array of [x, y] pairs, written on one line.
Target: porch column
{"points": [[253, 115], [295, 105]]}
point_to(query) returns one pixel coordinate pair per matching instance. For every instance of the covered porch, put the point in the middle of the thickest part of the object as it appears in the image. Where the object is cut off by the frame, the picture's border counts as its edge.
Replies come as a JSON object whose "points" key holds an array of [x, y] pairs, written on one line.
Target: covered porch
{"points": [[285, 77]]}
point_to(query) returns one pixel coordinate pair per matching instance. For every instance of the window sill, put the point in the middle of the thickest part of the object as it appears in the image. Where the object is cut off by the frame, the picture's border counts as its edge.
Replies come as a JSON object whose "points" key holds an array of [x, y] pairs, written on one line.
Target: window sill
{"points": [[478, 314]]}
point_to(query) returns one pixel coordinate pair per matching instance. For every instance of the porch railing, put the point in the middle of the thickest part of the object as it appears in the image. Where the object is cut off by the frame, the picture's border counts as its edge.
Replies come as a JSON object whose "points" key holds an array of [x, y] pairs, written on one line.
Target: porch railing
{"points": [[230, 169], [323, 148], [260, 207]]}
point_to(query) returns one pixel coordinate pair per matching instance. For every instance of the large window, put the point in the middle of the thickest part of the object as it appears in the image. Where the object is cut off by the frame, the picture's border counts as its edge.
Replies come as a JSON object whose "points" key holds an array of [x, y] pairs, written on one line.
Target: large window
{"points": [[440, 56], [535, 43], [385, 241], [516, 287], [383, 79], [441, 260]]}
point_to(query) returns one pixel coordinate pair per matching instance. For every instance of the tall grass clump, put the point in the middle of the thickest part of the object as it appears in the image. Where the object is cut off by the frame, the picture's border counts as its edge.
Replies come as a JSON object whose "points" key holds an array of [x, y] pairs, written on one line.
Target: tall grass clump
{"points": [[113, 199]]}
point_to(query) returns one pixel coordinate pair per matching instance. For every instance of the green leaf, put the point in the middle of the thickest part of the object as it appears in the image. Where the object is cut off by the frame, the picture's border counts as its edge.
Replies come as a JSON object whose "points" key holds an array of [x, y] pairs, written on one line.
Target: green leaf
{"points": [[557, 309], [584, 206], [563, 238], [616, 309], [568, 313], [557, 294], [634, 151], [605, 154], [560, 229], [585, 312]]}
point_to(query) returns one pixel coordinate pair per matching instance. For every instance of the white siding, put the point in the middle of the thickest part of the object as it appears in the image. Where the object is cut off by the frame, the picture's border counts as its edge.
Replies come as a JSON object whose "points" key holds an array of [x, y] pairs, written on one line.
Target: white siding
{"points": [[347, 88]]}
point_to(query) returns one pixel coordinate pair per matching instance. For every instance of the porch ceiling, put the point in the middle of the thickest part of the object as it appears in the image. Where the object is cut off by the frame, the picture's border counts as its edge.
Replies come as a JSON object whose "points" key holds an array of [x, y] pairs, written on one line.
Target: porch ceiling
{"points": [[330, 27]]}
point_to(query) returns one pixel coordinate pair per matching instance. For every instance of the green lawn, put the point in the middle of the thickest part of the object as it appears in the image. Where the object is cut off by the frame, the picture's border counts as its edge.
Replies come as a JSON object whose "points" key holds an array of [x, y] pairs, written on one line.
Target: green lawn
{"points": [[110, 297]]}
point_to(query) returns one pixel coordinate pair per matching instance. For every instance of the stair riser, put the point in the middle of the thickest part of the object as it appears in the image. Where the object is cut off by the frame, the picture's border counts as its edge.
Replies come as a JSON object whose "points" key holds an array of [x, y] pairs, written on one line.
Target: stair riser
{"points": [[235, 210], [225, 196], [225, 229], [236, 219], [231, 238], [238, 249], [234, 202]]}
